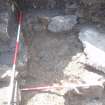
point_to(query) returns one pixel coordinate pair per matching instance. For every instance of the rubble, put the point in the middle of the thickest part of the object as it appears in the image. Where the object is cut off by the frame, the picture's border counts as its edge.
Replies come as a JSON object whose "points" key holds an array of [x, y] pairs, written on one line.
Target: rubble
{"points": [[62, 23]]}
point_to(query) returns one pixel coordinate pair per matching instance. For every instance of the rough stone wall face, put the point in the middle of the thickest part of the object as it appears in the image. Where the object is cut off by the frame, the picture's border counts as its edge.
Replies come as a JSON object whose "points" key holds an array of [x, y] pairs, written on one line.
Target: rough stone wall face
{"points": [[43, 3], [91, 9], [59, 2], [91, 2], [4, 4]]}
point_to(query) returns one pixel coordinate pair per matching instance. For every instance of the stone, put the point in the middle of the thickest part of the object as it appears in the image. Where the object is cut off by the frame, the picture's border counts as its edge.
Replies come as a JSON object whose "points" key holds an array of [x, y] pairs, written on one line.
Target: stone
{"points": [[4, 95], [4, 5], [78, 100], [71, 8], [62, 23], [92, 38], [4, 18], [90, 91], [46, 99], [88, 84], [91, 2], [51, 4]]}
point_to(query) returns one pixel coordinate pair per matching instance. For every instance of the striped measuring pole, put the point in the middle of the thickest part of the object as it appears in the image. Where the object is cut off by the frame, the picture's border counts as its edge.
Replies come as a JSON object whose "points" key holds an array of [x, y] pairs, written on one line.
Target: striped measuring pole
{"points": [[11, 85]]}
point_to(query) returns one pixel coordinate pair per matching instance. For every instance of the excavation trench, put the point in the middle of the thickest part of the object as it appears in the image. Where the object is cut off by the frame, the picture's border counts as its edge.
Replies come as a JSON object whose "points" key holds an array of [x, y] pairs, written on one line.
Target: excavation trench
{"points": [[55, 64]]}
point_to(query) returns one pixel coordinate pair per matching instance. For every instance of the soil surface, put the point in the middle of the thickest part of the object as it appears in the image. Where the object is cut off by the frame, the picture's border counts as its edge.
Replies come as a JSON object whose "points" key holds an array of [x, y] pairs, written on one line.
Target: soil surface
{"points": [[56, 58]]}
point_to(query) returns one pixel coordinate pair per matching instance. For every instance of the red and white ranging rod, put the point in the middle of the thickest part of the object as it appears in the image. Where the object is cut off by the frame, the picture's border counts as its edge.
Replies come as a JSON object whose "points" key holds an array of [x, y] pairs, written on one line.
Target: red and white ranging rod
{"points": [[12, 79]]}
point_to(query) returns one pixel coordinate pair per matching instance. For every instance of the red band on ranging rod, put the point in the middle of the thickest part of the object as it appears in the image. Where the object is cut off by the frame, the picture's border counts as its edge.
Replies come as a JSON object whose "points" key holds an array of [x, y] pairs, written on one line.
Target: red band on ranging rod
{"points": [[16, 53]]}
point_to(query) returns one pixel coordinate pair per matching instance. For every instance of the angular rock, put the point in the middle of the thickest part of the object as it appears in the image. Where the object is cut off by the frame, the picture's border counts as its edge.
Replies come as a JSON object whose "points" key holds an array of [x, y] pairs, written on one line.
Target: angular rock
{"points": [[62, 23], [92, 38]]}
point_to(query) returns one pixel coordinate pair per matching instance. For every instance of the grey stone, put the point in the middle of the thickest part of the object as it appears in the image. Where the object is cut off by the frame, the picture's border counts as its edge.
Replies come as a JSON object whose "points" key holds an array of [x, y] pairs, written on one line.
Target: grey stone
{"points": [[92, 38], [62, 23], [71, 8], [4, 18], [90, 2]]}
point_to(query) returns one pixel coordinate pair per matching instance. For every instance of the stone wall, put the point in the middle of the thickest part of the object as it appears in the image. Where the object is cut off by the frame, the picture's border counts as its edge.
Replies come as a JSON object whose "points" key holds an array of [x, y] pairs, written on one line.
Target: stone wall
{"points": [[89, 9]]}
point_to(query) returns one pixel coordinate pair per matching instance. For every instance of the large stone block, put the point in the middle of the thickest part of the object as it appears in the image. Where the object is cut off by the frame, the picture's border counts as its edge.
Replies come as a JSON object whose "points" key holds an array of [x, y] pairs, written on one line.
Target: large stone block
{"points": [[92, 38], [62, 23]]}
